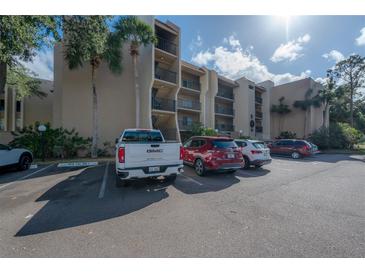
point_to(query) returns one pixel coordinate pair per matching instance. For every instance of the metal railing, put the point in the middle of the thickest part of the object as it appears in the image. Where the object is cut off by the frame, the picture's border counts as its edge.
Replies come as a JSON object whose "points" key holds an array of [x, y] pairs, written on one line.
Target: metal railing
{"points": [[169, 133], [189, 104], [184, 125], [191, 84], [258, 115], [225, 92], [166, 45], [163, 104], [224, 110], [225, 127], [165, 75], [258, 99]]}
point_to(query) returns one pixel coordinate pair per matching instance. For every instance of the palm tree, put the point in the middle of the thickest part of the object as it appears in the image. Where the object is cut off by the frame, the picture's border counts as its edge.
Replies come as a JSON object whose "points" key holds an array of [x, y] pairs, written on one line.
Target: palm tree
{"points": [[136, 32], [327, 95], [87, 39], [306, 104], [281, 109]]}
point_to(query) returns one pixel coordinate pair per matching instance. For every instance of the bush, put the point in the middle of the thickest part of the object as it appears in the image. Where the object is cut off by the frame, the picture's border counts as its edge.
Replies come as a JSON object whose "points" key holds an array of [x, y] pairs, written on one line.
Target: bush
{"points": [[58, 142], [287, 135], [243, 137], [337, 136]]}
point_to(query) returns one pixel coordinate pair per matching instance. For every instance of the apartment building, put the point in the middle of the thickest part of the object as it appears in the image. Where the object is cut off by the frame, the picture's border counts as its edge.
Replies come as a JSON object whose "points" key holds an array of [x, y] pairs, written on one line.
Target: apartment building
{"points": [[303, 123], [174, 94], [17, 113]]}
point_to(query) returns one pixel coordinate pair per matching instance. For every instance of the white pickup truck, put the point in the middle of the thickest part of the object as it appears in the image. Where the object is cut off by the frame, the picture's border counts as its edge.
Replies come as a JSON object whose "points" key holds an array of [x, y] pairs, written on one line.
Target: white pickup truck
{"points": [[144, 153]]}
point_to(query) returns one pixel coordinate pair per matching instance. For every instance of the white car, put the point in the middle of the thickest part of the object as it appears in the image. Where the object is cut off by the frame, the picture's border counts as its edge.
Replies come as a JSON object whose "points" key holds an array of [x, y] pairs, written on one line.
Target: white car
{"points": [[15, 157], [144, 153], [255, 153]]}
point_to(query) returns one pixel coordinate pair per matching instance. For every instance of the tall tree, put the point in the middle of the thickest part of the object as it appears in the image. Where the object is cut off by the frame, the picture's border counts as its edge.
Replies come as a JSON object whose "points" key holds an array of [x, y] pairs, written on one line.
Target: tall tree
{"points": [[328, 94], [136, 32], [306, 104], [87, 39], [351, 72], [20, 38], [281, 109]]}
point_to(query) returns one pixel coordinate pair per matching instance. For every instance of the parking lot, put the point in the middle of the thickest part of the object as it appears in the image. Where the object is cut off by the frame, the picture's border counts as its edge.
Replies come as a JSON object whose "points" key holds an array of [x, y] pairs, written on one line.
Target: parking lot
{"points": [[311, 207]]}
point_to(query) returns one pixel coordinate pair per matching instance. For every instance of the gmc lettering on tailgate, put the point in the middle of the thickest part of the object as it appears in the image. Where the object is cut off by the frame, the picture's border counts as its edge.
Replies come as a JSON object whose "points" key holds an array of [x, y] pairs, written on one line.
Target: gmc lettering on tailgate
{"points": [[152, 150]]}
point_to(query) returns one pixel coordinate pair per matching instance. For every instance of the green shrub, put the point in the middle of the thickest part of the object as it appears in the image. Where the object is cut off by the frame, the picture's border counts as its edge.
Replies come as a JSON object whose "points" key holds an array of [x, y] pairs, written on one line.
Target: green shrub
{"points": [[243, 137], [337, 136], [58, 142], [287, 135]]}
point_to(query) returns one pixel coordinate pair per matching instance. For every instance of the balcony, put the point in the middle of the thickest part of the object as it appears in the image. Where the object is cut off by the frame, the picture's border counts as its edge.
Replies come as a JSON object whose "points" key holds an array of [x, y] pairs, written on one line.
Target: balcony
{"points": [[225, 93], [258, 115], [225, 127], [185, 125], [258, 99], [258, 129], [224, 110], [169, 133], [188, 104], [166, 45], [191, 84], [165, 75], [163, 104]]}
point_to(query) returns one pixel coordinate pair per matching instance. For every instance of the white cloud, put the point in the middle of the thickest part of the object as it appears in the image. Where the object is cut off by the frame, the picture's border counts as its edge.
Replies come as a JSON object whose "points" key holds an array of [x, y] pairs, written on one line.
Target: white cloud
{"points": [[360, 41], [196, 43], [334, 55], [291, 50], [232, 41], [234, 62], [42, 64]]}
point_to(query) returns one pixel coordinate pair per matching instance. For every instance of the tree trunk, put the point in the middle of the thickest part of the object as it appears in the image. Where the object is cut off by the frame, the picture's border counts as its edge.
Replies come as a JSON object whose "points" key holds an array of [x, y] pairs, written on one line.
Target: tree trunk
{"points": [[94, 144], [136, 87], [324, 115], [3, 72]]}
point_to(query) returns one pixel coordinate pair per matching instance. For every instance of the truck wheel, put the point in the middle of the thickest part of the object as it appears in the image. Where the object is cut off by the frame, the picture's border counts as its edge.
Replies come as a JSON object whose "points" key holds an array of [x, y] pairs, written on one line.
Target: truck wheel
{"points": [[24, 162], [120, 183], [199, 167], [246, 162], [170, 178]]}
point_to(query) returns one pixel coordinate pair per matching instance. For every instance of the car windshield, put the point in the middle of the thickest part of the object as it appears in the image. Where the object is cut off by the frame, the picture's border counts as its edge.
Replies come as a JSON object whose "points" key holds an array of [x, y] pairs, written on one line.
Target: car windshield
{"points": [[259, 145], [224, 143], [142, 136]]}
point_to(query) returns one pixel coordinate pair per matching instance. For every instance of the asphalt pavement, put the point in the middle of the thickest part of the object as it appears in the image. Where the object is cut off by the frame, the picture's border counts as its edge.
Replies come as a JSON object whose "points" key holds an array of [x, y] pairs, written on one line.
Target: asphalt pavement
{"points": [[311, 207]]}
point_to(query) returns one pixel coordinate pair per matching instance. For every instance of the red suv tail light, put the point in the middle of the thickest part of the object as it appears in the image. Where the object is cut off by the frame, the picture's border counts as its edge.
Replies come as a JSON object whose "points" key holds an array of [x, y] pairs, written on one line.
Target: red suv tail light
{"points": [[256, 151], [121, 155], [181, 152]]}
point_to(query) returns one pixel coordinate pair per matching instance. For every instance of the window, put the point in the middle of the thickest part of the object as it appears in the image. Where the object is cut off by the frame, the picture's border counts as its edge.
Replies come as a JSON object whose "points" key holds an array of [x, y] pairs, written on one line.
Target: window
{"points": [[142, 136], [224, 143], [259, 145], [241, 144], [3, 147], [2, 105], [187, 121], [18, 106], [188, 143], [195, 143]]}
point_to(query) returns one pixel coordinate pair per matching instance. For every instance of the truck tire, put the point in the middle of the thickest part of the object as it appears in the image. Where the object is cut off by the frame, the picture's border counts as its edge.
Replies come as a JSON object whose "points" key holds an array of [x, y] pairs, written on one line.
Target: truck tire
{"points": [[120, 183], [24, 162]]}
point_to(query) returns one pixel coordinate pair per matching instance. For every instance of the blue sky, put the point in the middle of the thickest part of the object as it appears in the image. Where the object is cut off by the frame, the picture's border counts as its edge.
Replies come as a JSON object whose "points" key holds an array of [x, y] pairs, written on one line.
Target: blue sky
{"points": [[259, 47]]}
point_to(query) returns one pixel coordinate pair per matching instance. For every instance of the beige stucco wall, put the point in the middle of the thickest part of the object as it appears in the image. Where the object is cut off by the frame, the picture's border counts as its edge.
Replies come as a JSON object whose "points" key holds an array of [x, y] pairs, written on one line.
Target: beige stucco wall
{"points": [[210, 98], [294, 121], [243, 108], [266, 106]]}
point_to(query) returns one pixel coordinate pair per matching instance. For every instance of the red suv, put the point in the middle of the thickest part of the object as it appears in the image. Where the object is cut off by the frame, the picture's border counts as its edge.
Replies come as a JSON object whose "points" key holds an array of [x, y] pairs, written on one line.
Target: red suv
{"points": [[208, 153], [293, 148]]}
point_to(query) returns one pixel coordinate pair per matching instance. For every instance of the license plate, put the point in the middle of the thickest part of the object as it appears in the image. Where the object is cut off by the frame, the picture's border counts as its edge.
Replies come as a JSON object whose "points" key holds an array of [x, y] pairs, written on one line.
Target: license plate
{"points": [[154, 169], [230, 155]]}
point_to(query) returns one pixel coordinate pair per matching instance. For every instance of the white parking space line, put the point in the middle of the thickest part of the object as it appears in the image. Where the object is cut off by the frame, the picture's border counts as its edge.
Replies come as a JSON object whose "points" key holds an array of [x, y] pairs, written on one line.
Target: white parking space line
{"points": [[26, 176], [103, 184], [191, 180]]}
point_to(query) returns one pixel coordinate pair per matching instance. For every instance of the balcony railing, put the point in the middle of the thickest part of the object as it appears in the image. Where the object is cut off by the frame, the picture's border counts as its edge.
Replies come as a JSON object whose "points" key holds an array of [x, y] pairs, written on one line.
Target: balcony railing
{"points": [[169, 133], [189, 104], [225, 94], [165, 75], [166, 45], [258, 129], [258, 99], [224, 110], [185, 125], [258, 115], [163, 104], [225, 127], [191, 84]]}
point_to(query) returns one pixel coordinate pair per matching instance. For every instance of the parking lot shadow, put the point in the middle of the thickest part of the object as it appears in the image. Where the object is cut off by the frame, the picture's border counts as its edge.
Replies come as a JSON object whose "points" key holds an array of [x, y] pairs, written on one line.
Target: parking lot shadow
{"points": [[192, 184], [74, 202], [323, 157]]}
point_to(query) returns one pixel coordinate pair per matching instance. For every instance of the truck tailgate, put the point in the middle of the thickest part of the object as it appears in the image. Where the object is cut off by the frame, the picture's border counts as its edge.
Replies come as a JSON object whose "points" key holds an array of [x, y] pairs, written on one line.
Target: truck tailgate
{"points": [[152, 154]]}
